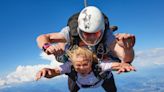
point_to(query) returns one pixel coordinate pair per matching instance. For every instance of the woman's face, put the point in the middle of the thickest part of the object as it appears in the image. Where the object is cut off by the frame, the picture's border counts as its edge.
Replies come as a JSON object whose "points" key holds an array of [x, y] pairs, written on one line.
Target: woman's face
{"points": [[82, 65]]}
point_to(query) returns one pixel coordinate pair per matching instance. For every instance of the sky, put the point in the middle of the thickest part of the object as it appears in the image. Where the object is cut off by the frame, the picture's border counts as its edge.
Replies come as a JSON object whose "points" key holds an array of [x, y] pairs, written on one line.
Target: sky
{"points": [[21, 21]]}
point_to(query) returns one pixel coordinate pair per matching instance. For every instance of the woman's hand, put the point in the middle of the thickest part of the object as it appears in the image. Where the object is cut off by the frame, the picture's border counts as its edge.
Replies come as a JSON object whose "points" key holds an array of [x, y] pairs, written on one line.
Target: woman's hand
{"points": [[45, 72], [125, 67]]}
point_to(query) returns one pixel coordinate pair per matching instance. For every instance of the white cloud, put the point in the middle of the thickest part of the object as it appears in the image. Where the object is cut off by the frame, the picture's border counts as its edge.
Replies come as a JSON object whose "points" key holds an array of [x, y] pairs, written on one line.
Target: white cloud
{"points": [[28, 72], [153, 57], [2, 82]]}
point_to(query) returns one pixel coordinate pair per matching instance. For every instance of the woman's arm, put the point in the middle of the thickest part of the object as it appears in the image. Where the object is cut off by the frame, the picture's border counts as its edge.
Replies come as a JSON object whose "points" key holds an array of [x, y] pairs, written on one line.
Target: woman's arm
{"points": [[116, 66], [48, 73], [122, 67]]}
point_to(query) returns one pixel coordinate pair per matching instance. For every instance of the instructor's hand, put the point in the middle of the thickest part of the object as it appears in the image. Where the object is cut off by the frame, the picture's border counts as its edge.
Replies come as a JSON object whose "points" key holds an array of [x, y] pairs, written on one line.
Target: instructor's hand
{"points": [[57, 49], [126, 41]]}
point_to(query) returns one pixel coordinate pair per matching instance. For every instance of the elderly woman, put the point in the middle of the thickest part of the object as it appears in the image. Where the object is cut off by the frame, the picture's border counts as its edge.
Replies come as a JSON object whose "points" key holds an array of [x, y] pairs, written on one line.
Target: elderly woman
{"points": [[85, 70]]}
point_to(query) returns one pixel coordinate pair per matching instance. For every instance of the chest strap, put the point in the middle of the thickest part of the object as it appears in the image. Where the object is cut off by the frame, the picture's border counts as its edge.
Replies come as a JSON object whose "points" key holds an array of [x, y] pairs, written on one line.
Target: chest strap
{"points": [[88, 86]]}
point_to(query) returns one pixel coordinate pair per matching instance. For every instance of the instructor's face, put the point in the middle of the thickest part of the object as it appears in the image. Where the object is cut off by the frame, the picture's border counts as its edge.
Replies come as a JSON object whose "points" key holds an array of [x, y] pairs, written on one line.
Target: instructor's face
{"points": [[82, 65], [90, 38]]}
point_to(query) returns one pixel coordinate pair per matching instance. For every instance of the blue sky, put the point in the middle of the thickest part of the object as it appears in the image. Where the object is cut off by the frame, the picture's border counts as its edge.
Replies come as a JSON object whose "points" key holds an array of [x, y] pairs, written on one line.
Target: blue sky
{"points": [[21, 21]]}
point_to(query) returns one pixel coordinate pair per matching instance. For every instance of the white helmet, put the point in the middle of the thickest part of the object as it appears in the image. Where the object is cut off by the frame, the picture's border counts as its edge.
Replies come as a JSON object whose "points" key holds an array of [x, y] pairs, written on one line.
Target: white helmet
{"points": [[91, 21]]}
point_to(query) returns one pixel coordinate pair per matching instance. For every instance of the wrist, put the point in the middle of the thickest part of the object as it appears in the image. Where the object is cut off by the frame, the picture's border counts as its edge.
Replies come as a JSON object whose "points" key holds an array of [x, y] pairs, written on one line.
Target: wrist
{"points": [[129, 56], [116, 66], [45, 46]]}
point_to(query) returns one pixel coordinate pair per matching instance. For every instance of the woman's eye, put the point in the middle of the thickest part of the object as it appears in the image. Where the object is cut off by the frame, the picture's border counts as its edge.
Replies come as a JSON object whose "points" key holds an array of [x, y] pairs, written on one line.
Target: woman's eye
{"points": [[85, 65], [78, 65]]}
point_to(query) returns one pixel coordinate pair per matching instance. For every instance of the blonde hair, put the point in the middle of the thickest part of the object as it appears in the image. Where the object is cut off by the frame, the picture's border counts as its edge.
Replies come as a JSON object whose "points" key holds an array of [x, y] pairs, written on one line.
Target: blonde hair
{"points": [[82, 51]]}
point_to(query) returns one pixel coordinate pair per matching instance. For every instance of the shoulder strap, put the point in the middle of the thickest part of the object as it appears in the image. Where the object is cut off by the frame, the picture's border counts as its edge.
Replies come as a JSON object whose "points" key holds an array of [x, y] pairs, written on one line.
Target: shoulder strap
{"points": [[96, 70], [72, 74], [101, 47], [72, 23]]}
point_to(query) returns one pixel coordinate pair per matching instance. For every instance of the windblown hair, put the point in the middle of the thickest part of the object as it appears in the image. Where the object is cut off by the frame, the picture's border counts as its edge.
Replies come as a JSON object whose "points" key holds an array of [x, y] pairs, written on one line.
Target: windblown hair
{"points": [[81, 51]]}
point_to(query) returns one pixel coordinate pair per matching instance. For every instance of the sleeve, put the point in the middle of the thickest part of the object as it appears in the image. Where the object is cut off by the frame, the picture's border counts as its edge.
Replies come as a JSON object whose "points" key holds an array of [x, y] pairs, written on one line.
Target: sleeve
{"points": [[65, 68], [65, 32], [106, 66]]}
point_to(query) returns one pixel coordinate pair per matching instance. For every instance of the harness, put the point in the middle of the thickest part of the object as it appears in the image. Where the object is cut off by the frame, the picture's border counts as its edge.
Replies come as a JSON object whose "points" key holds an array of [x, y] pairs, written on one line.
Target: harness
{"points": [[96, 71]]}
